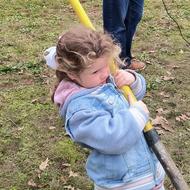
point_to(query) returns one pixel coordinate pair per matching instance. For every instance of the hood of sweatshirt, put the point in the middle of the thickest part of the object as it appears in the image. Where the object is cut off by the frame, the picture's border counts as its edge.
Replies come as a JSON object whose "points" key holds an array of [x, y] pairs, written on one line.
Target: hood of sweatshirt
{"points": [[64, 90]]}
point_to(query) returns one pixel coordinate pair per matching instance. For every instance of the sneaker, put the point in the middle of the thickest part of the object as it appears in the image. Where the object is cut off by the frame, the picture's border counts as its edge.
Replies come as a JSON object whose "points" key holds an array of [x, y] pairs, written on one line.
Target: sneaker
{"points": [[136, 65]]}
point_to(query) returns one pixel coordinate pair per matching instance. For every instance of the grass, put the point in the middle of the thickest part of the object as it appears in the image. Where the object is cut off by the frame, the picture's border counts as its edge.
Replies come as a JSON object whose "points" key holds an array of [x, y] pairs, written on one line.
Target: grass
{"points": [[30, 128]]}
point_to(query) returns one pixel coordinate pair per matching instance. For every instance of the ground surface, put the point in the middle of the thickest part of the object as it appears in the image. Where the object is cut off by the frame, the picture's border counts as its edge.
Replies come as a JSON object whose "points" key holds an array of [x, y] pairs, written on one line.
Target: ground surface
{"points": [[35, 153]]}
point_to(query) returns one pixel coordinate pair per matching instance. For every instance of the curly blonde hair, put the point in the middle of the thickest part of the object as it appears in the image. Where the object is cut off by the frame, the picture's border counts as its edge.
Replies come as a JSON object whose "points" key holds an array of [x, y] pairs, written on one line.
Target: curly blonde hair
{"points": [[79, 47]]}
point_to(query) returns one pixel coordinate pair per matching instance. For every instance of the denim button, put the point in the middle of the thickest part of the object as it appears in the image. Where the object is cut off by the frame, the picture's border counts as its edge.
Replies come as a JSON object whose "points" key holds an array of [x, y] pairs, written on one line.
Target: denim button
{"points": [[110, 102]]}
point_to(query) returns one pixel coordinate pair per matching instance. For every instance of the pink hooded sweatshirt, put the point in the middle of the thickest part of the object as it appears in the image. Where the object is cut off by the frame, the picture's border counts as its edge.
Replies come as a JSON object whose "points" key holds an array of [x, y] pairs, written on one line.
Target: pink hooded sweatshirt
{"points": [[64, 90]]}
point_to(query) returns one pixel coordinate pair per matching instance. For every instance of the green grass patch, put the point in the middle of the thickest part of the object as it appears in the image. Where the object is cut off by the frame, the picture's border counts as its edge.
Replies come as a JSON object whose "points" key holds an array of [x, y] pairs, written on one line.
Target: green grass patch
{"points": [[30, 128]]}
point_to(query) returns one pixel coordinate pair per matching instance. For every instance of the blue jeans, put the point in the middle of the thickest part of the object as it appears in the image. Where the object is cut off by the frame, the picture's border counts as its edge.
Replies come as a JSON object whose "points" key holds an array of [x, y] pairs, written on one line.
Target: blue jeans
{"points": [[120, 18]]}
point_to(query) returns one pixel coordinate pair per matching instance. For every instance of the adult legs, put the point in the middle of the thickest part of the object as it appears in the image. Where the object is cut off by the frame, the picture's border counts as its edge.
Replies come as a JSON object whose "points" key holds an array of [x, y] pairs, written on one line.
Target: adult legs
{"points": [[133, 17], [120, 18], [114, 14]]}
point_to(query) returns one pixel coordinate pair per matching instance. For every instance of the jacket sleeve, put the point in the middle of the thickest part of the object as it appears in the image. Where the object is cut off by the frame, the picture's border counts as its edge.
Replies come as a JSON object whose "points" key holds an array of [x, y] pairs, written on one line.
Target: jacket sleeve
{"points": [[139, 86], [109, 134]]}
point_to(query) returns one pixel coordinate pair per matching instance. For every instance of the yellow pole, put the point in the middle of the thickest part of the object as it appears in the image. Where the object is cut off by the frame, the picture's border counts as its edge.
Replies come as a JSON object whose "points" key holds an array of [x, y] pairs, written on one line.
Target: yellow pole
{"points": [[81, 14]]}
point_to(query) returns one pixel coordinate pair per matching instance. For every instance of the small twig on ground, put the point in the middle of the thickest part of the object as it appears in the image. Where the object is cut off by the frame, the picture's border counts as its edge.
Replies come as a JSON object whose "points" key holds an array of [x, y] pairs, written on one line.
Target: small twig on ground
{"points": [[12, 122]]}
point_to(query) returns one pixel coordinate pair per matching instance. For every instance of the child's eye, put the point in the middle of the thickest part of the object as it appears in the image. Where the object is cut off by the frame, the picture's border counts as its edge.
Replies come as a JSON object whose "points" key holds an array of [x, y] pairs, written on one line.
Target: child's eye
{"points": [[94, 72]]}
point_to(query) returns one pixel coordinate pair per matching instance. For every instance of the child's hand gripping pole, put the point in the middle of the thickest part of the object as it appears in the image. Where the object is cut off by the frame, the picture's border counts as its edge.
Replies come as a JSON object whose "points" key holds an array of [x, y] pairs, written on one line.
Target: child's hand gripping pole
{"points": [[150, 133]]}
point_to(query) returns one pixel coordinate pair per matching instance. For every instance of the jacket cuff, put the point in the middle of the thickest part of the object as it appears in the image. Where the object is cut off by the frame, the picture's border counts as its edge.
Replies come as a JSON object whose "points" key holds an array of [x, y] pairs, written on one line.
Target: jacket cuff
{"points": [[140, 116]]}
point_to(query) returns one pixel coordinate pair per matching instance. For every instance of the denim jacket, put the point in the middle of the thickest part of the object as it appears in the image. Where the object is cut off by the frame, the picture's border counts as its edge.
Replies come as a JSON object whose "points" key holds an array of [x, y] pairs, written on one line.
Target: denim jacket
{"points": [[103, 120]]}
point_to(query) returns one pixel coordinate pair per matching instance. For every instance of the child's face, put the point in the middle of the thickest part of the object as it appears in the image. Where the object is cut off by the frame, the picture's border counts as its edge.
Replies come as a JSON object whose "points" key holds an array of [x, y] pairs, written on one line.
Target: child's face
{"points": [[96, 74]]}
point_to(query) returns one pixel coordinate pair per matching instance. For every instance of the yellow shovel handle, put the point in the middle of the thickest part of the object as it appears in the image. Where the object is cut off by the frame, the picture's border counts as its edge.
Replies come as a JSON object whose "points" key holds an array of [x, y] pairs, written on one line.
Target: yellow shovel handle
{"points": [[83, 17]]}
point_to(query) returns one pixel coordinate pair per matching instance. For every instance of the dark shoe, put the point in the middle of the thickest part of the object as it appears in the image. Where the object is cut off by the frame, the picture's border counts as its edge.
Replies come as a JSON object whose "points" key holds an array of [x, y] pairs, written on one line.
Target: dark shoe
{"points": [[136, 65]]}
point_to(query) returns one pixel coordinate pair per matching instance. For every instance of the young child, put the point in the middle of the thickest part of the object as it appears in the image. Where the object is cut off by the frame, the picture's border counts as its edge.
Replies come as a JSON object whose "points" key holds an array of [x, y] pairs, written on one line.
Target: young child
{"points": [[98, 116]]}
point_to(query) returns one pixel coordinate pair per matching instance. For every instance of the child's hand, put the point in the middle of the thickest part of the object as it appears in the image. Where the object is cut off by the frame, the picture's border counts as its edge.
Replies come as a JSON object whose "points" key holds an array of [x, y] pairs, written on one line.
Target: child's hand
{"points": [[123, 78]]}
